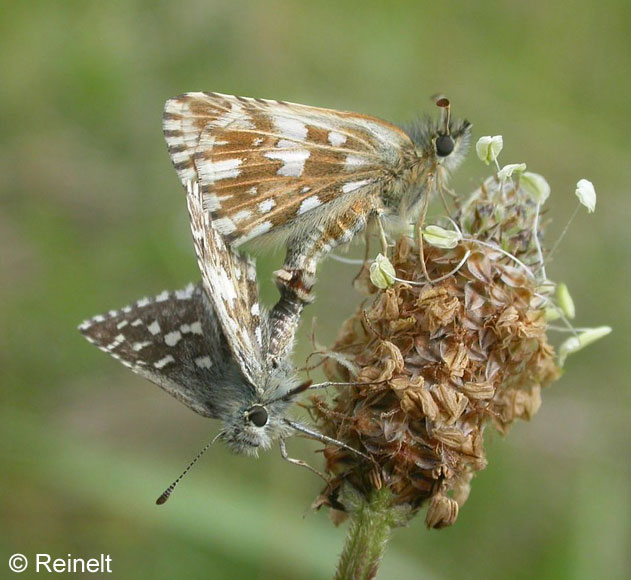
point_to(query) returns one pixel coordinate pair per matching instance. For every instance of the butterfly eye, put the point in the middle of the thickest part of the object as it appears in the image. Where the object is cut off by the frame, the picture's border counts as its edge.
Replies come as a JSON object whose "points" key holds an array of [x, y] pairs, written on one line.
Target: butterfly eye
{"points": [[444, 145], [257, 415]]}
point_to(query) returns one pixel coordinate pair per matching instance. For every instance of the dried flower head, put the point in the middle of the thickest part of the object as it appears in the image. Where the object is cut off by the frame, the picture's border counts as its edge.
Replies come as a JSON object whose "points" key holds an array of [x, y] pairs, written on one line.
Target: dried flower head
{"points": [[443, 360]]}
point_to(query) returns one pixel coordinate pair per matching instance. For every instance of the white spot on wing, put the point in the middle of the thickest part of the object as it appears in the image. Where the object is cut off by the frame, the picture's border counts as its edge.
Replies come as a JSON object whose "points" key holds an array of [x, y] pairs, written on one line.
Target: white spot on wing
{"points": [[140, 345], [309, 203], [164, 361], [353, 161], [353, 185], [226, 287], [290, 128], [255, 310], [185, 293], [172, 338], [154, 328], [336, 139], [162, 296], [293, 161], [242, 215], [203, 362], [212, 171], [136, 322], [255, 231], [225, 225], [122, 324], [143, 302], [196, 327], [266, 205], [211, 202]]}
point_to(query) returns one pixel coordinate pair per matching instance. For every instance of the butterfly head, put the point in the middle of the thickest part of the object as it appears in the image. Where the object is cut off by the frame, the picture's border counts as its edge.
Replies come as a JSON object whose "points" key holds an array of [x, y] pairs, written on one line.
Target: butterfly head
{"points": [[442, 143], [259, 422]]}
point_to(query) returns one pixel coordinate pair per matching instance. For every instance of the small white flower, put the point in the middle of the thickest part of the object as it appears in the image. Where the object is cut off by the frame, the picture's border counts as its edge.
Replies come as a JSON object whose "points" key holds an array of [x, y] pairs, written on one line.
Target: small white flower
{"points": [[565, 301], [508, 170], [586, 194], [488, 148], [382, 272], [441, 238], [576, 343], [536, 186]]}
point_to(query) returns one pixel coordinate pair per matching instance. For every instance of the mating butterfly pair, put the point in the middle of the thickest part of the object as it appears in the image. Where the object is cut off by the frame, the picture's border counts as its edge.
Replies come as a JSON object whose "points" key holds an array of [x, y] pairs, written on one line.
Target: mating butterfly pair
{"points": [[311, 177]]}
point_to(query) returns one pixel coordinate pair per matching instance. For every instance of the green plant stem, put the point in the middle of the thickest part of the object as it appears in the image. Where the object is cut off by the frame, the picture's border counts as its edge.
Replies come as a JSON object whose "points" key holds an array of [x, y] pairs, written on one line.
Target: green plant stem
{"points": [[367, 538]]}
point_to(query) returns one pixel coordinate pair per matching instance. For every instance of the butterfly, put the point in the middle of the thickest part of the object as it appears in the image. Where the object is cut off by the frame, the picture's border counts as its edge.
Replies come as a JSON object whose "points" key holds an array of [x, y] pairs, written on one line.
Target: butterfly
{"points": [[307, 176], [208, 346]]}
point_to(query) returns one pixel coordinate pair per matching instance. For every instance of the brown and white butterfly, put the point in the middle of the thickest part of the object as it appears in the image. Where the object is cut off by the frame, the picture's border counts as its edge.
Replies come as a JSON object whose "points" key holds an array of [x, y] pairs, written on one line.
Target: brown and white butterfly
{"points": [[312, 177]]}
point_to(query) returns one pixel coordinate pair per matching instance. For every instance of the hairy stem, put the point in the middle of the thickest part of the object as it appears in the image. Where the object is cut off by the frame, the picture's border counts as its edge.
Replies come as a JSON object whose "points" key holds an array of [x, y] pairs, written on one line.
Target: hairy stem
{"points": [[368, 536]]}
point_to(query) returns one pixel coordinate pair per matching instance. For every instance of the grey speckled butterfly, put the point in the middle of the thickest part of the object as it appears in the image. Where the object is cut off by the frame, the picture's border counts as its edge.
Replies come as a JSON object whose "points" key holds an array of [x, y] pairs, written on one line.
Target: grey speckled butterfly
{"points": [[210, 346]]}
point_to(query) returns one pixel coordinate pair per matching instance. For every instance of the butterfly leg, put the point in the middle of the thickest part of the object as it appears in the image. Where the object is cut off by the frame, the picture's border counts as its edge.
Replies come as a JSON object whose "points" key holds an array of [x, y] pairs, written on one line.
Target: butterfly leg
{"points": [[299, 462], [297, 277]]}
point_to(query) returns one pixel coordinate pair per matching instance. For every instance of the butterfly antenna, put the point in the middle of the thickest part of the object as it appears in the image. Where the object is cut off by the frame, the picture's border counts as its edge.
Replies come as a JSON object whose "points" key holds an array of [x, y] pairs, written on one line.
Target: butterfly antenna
{"points": [[169, 490], [445, 114]]}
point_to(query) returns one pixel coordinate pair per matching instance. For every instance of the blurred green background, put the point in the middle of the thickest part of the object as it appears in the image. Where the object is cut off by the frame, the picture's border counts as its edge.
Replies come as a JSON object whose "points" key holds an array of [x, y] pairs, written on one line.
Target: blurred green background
{"points": [[92, 216]]}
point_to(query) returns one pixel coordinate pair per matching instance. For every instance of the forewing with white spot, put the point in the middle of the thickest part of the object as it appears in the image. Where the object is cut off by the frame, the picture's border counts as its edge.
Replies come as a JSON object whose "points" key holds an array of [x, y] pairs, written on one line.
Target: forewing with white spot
{"points": [[261, 164], [175, 341], [229, 280]]}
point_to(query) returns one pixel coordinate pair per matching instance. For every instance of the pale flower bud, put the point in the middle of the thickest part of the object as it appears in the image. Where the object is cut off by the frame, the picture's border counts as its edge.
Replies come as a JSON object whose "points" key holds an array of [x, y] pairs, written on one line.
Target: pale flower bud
{"points": [[382, 272], [441, 238], [508, 170], [488, 148], [586, 194], [565, 301], [576, 343], [536, 186]]}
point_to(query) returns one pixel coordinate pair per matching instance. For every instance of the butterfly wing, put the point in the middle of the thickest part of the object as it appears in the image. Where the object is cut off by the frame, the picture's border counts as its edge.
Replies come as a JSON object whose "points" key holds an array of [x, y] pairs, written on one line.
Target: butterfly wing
{"points": [[229, 280], [175, 341], [262, 164]]}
